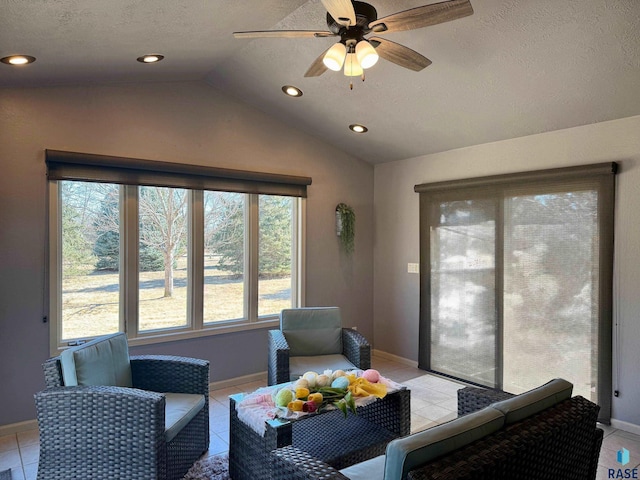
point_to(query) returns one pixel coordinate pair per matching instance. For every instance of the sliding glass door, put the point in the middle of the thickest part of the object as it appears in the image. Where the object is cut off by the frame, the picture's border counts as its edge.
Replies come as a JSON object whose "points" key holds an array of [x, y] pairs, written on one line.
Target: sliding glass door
{"points": [[551, 268], [463, 284], [516, 282]]}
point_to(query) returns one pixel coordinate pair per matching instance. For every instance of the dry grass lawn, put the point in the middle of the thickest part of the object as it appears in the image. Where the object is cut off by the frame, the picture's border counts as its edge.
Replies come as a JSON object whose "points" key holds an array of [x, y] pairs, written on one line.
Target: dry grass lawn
{"points": [[90, 303]]}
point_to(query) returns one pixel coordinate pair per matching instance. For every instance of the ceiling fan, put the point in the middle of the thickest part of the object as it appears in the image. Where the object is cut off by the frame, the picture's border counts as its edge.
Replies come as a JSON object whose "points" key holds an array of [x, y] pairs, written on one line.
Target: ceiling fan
{"points": [[352, 20]]}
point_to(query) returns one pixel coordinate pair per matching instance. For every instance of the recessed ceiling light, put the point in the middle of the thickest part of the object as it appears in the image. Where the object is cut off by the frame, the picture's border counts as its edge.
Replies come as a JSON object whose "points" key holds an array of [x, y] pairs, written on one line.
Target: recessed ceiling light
{"points": [[292, 91], [151, 58], [18, 59], [355, 127]]}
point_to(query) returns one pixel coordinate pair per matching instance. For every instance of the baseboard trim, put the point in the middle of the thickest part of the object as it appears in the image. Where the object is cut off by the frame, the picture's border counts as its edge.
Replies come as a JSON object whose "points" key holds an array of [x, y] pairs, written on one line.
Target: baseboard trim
{"points": [[232, 382], [626, 426], [394, 358], [14, 428]]}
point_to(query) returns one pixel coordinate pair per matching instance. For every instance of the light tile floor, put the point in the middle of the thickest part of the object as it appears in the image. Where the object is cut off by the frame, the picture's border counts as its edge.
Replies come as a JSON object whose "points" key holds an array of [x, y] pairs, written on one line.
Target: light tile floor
{"points": [[433, 401]]}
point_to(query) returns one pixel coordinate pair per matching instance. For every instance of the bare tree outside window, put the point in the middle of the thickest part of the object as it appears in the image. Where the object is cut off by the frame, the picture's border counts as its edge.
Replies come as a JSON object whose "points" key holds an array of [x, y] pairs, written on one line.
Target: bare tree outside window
{"points": [[163, 228]]}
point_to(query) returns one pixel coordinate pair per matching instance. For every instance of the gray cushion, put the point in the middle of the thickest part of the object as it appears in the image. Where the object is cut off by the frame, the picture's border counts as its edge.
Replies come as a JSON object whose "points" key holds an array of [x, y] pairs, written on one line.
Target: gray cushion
{"points": [[180, 408], [372, 469], [298, 366], [407, 453], [534, 401], [103, 361], [312, 330]]}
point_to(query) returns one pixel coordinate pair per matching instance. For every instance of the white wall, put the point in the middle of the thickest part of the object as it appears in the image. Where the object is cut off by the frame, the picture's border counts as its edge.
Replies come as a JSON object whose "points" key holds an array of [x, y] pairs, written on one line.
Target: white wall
{"points": [[173, 122], [396, 218]]}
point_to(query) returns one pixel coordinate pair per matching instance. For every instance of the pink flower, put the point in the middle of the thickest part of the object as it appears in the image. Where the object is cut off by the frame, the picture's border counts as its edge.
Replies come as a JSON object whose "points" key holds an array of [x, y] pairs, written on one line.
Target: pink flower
{"points": [[309, 407]]}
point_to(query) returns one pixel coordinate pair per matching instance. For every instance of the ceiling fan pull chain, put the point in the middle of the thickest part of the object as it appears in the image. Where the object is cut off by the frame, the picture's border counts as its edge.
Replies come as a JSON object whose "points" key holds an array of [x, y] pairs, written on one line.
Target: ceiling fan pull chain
{"points": [[350, 83], [363, 76]]}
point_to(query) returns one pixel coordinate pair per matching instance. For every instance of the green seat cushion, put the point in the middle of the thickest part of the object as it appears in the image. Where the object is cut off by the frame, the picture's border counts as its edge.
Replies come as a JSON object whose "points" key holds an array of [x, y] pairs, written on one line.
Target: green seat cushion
{"points": [[103, 361], [372, 469], [407, 453], [180, 408], [298, 366], [312, 331], [529, 403]]}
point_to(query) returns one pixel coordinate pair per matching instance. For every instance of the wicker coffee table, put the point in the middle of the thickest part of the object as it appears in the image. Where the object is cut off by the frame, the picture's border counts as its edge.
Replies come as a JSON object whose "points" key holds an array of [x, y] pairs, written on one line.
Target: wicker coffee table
{"points": [[328, 436]]}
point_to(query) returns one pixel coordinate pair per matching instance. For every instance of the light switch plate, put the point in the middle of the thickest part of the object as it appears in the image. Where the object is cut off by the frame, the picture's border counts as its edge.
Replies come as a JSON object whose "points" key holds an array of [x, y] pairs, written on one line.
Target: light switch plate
{"points": [[413, 268]]}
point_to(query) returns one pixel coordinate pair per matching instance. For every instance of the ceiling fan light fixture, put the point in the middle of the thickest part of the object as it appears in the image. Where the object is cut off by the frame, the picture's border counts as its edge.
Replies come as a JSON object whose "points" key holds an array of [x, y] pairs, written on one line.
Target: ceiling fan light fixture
{"points": [[366, 54], [352, 67], [334, 58]]}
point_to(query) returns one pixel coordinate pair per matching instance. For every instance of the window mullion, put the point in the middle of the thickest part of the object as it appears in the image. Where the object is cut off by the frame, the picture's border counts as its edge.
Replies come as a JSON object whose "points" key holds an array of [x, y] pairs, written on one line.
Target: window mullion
{"points": [[129, 260], [499, 290], [299, 247], [251, 263], [195, 274]]}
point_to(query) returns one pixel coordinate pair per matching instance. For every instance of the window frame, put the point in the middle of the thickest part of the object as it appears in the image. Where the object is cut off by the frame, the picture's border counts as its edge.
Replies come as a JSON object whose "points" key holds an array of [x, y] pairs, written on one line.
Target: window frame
{"points": [[129, 262]]}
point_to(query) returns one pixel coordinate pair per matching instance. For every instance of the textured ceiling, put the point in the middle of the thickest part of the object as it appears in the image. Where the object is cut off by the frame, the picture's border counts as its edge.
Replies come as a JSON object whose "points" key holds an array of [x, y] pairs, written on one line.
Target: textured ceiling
{"points": [[513, 68]]}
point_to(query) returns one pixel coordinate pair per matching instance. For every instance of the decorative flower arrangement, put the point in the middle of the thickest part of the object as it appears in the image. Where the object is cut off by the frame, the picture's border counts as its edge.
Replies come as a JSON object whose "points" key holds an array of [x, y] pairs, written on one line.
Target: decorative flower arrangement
{"points": [[315, 392]]}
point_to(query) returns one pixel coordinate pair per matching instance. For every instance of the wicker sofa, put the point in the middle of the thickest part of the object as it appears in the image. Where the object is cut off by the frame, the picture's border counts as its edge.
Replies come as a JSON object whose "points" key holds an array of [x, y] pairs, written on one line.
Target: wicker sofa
{"points": [[541, 434], [105, 415]]}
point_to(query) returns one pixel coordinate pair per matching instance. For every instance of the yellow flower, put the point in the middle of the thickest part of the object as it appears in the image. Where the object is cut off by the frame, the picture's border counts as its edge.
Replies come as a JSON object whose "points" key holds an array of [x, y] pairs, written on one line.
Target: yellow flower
{"points": [[302, 393], [295, 406], [316, 398]]}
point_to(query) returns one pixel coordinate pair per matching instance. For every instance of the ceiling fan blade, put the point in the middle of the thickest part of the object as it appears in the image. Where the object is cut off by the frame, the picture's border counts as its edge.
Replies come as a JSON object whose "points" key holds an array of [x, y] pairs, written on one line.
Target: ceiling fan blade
{"points": [[283, 34], [318, 67], [341, 10], [424, 16], [399, 54]]}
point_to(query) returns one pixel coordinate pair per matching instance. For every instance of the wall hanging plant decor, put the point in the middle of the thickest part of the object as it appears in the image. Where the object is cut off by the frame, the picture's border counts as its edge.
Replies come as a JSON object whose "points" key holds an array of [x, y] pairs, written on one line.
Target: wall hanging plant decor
{"points": [[346, 226]]}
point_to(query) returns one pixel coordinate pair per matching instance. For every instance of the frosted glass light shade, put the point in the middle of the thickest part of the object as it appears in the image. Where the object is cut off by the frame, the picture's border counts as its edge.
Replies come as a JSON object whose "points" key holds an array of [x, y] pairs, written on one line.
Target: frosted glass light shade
{"points": [[366, 54], [334, 58], [352, 67]]}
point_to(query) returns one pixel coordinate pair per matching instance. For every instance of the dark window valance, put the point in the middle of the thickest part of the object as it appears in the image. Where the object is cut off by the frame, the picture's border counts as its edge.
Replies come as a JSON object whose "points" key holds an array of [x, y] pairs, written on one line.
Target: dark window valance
{"points": [[135, 171], [522, 178]]}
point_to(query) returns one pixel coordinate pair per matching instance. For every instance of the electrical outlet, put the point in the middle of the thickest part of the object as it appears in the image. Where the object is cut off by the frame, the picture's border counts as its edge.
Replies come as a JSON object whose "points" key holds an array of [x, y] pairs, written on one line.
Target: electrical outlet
{"points": [[413, 268]]}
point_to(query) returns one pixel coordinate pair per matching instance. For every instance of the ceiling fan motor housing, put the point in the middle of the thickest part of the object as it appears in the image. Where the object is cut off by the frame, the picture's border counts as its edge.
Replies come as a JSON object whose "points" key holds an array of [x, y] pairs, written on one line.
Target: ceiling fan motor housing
{"points": [[365, 14]]}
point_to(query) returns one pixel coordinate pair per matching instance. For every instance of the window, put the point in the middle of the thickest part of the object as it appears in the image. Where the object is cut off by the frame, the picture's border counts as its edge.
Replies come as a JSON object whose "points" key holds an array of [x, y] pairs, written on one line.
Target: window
{"points": [[89, 259], [518, 279], [224, 234], [276, 266], [163, 267], [167, 260]]}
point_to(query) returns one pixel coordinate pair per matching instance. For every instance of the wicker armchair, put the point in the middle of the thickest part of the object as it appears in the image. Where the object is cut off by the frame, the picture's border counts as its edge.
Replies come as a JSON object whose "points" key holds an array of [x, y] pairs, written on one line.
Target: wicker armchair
{"points": [[313, 339], [106, 432]]}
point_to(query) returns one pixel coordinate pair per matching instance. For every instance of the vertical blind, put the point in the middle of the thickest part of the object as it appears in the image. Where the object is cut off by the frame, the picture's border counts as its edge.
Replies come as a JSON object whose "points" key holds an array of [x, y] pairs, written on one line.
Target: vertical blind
{"points": [[516, 282]]}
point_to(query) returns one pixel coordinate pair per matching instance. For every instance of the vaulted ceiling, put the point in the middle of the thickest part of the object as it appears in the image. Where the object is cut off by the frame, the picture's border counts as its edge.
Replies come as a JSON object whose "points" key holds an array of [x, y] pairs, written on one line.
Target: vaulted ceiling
{"points": [[513, 68]]}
